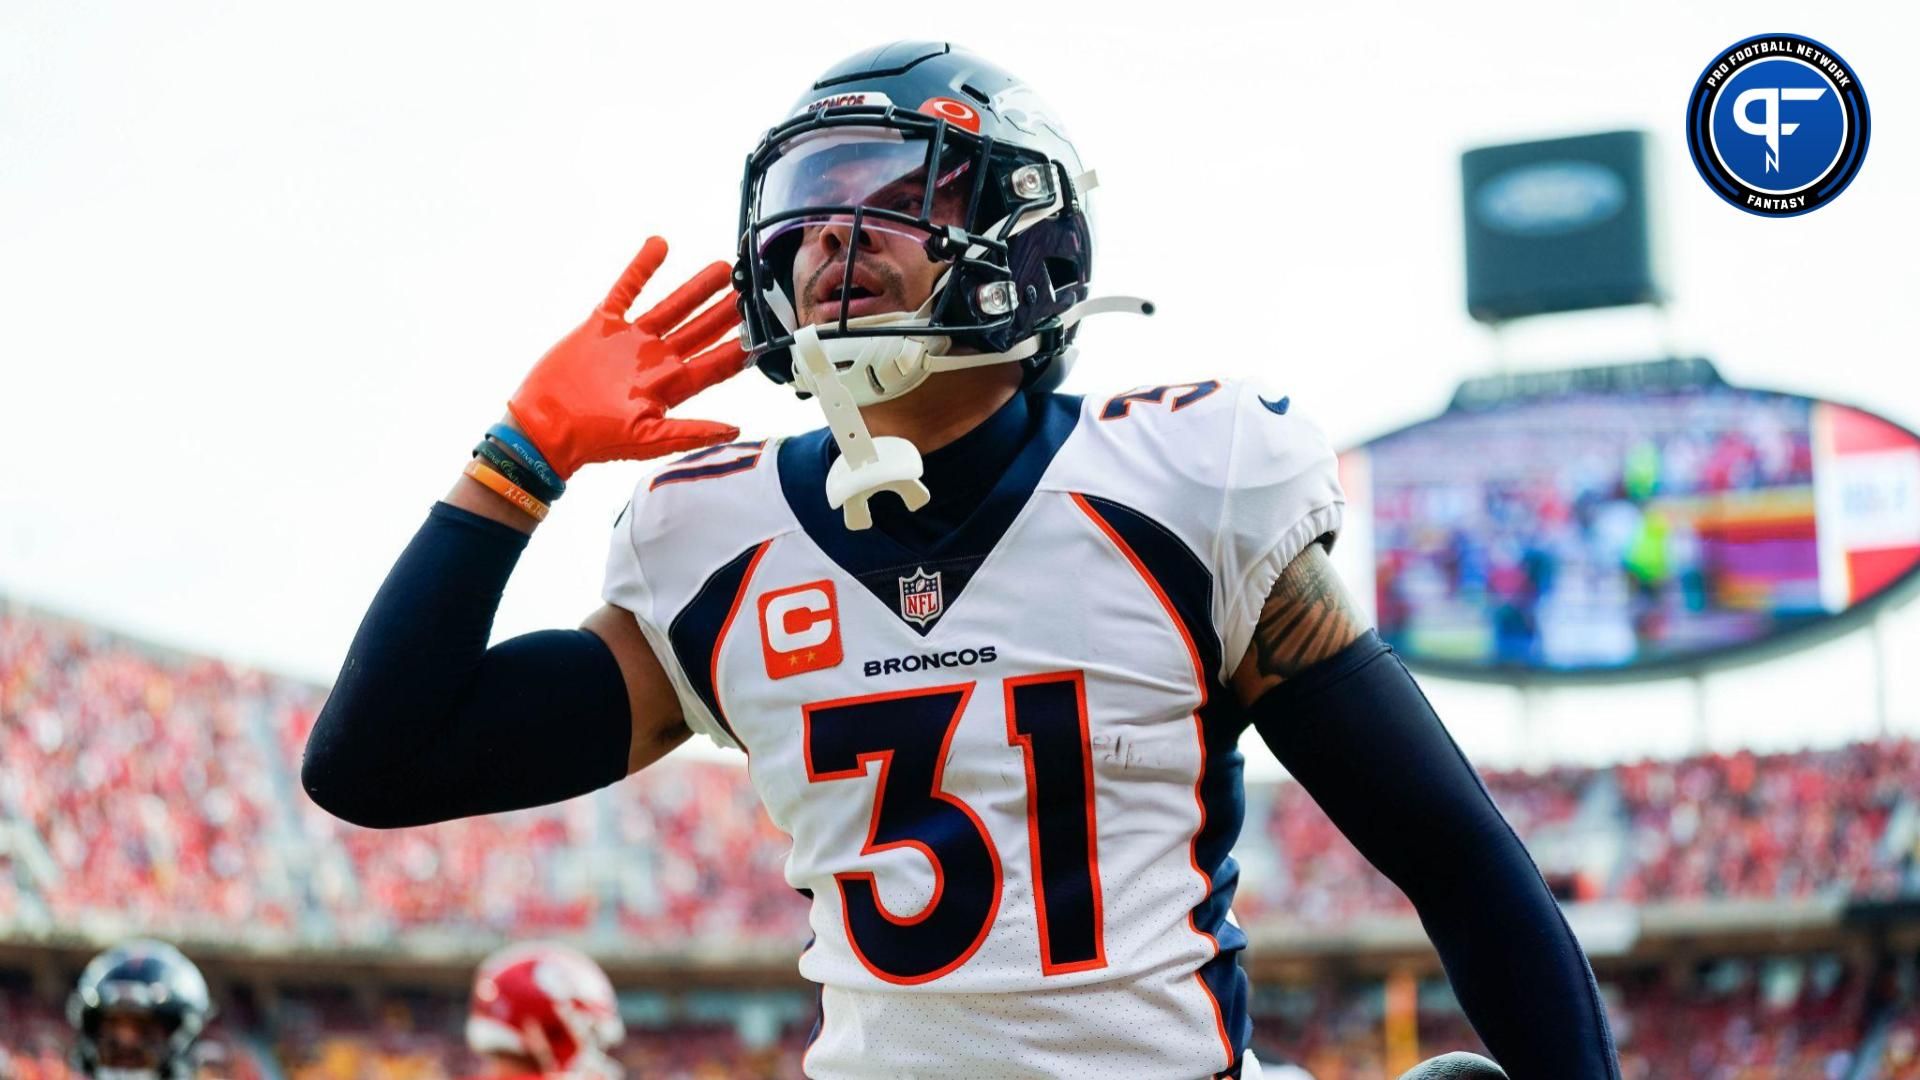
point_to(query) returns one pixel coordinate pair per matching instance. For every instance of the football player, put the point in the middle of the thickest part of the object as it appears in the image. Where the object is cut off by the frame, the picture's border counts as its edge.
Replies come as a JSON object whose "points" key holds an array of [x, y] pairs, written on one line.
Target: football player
{"points": [[541, 1009], [989, 648], [136, 1012]]}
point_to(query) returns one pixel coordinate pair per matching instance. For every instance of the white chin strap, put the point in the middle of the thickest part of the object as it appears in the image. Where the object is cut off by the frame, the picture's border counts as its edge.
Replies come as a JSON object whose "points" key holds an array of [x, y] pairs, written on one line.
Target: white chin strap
{"points": [[846, 373], [866, 465]]}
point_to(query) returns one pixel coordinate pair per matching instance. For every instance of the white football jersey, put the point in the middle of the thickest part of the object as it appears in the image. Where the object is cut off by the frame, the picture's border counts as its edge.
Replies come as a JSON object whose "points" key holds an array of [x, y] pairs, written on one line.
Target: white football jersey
{"points": [[1007, 762]]}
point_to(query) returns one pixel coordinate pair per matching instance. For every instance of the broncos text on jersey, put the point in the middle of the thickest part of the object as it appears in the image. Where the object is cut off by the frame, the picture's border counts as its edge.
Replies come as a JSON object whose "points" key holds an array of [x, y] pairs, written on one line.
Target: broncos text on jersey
{"points": [[1007, 762]]}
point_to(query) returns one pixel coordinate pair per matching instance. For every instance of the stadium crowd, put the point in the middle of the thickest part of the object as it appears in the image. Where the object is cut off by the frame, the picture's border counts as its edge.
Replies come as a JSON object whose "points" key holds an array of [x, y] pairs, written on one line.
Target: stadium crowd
{"points": [[200, 833], [202, 829], [387, 1051], [135, 784], [1790, 825], [1780, 1018], [35, 1040], [1772, 1018]]}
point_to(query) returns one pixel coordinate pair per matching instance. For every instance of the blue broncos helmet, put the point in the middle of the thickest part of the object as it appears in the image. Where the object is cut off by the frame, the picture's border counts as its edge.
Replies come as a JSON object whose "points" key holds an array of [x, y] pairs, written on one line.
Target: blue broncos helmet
{"points": [[152, 981], [919, 121]]}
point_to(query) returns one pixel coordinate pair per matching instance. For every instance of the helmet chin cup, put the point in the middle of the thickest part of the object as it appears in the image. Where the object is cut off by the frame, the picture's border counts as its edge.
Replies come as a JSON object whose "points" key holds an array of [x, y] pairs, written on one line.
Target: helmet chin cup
{"points": [[867, 466]]}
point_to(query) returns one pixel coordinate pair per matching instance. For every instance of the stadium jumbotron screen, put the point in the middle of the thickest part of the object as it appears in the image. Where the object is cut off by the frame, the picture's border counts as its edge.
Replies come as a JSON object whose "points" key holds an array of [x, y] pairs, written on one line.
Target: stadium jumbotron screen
{"points": [[1612, 520]]}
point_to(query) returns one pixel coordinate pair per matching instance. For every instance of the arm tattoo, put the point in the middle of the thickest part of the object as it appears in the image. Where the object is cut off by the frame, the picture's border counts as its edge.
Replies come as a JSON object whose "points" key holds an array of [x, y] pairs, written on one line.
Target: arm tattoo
{"points": [[1307, 617]]}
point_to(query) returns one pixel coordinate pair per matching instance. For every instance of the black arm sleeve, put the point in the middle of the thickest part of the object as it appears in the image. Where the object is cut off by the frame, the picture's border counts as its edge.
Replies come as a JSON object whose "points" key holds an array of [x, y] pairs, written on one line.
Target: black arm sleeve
{"points": [[425, 723], [1358, 734]]}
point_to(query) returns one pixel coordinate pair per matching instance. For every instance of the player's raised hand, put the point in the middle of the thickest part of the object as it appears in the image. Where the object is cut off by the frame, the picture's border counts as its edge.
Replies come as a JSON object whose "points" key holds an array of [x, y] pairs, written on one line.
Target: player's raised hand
{"points": [[602, 393]]}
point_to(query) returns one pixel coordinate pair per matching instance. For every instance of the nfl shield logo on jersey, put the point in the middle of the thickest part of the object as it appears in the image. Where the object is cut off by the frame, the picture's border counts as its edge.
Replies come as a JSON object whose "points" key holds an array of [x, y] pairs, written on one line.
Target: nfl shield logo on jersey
{"points": [[920, 596]]}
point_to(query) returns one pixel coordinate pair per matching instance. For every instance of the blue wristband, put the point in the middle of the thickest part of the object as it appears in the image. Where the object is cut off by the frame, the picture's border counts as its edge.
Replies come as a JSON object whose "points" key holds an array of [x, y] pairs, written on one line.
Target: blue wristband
{"points": [[529, 454]]}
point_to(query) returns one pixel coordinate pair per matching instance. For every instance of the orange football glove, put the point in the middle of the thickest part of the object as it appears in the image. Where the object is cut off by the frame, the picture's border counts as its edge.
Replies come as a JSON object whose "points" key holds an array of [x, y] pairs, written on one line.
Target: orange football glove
{"points": [[603, 392]]}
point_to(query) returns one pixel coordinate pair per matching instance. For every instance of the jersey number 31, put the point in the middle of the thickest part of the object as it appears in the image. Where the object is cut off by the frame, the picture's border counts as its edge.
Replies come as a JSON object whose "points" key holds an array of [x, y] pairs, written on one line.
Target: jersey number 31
{"points": [[909, 733]]}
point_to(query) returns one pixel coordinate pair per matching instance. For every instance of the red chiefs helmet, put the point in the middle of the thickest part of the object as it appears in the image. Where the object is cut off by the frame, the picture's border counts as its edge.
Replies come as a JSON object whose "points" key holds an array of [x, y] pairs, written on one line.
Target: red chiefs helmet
{"points": [[548, 1003]]}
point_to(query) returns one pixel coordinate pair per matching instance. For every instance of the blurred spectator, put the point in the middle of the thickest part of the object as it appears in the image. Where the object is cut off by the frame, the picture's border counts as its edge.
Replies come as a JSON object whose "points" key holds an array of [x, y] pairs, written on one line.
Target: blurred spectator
{"points": [[136, 772], [148, 788], [418, 1038], [1767, 827], [700, 858], [1321, 878], [1780, 1018]]}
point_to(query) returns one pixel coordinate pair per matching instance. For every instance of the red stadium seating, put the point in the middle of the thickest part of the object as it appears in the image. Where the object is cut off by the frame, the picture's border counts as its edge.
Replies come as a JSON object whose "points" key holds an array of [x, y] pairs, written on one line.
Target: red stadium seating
{"points": [[1748, 1029], [159, 788], [151, 791], [141, 779]]}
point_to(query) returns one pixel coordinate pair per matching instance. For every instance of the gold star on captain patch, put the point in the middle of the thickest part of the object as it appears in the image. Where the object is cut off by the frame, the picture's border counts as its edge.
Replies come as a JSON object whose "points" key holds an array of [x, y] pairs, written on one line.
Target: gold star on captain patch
{"points": [[793, 661], [809, 656]]}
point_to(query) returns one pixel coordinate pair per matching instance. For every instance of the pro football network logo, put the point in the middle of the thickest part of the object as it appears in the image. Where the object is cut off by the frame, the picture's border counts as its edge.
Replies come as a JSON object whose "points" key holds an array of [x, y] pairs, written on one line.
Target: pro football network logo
{"points": [[1777, 125], [920, 599]]}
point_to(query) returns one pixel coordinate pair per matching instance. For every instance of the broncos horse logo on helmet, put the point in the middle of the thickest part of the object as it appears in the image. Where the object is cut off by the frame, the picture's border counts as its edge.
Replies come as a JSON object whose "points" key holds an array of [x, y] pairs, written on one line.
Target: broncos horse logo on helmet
{"points": [[923, 141]]}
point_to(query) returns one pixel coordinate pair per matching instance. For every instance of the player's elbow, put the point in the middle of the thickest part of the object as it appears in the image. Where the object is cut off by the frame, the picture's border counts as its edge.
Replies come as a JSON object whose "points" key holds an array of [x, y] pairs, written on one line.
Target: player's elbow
{"points": [[331, 787], [343, 779]]}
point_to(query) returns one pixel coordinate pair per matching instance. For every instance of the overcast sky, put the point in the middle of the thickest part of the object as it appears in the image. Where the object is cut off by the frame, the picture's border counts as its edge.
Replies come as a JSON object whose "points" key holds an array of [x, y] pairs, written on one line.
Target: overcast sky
{"points": [[267, 270]]}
